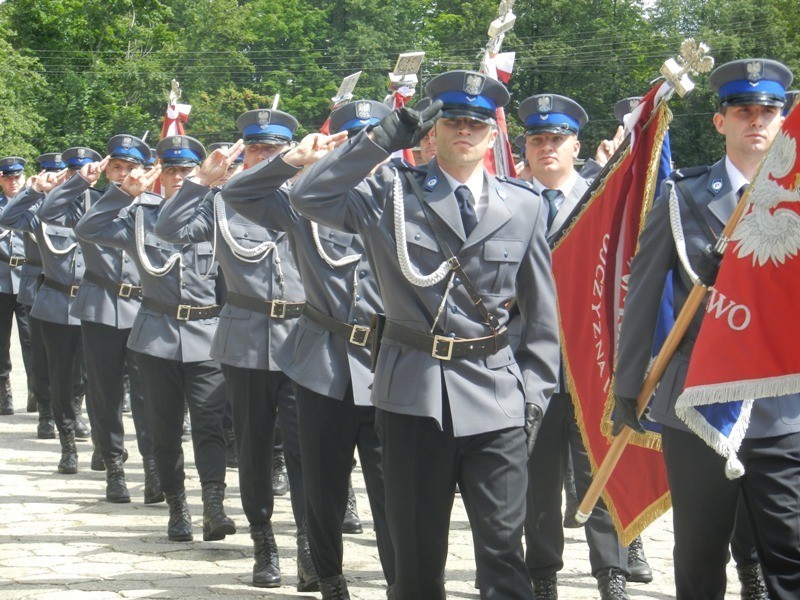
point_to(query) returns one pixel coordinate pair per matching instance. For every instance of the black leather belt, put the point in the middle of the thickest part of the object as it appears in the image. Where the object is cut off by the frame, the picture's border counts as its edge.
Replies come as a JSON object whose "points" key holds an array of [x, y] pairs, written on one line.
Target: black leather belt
{"points": [[13, 261], [355, 334], [69, 290], [33, 262], [276, 309], [182, 312], [444, 347], [123, 290]]}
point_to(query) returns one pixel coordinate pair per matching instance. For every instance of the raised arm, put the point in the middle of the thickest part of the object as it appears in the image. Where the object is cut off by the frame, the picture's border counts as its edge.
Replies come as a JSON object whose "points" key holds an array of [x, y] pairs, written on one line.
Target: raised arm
{"points": [[189, 216]]}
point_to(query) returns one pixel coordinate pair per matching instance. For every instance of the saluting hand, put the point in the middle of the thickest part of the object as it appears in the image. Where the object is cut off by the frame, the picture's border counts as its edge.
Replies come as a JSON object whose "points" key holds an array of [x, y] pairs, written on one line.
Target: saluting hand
{"points": [[404, 128], [91, 171], [215, 167], [140, 180], [44, 182], [313, 147], [607, 148]]}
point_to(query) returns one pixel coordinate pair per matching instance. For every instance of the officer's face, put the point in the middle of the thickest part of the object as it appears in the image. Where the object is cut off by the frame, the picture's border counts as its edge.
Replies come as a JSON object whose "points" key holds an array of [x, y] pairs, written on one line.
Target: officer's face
{"points": [[256, 153], [463, 141], [172, 178], [12, 184], [117, 169], [551, 154], [748, 129]]}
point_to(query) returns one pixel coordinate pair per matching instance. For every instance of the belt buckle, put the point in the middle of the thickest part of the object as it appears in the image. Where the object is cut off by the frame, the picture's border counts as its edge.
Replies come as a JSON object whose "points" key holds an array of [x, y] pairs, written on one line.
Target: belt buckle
{"points": [[125, 290], [359, 335], [448, 343], [16, 261], [73, 290], [184, 312], [277, 309]]}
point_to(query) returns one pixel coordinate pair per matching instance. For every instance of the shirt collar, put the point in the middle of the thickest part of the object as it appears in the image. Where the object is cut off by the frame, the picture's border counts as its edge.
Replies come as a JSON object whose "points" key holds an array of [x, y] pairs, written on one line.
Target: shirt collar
{"points": [[735, 176], [565, 188], [474, 183]]}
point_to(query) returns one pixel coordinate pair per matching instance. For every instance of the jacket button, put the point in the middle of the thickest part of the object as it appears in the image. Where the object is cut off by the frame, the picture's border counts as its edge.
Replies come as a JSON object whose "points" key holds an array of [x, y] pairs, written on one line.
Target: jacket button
{"points": [[417, 237]]}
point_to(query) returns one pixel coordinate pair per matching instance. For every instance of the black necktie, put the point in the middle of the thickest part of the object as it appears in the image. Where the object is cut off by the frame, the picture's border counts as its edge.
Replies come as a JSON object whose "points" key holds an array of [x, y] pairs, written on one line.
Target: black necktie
{"points": [[551, 196], [742, 190], [468, 217]]}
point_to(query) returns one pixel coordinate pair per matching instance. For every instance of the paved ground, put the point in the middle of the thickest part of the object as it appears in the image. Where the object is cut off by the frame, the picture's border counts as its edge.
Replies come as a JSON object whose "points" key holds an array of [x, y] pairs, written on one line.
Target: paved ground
{"points": [[60, 540]]}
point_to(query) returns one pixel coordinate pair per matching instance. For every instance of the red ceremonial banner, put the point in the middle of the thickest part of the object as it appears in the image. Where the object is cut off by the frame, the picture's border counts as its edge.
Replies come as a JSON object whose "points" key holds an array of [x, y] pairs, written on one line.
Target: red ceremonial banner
{"points": [[591, 263], [746, 348]]}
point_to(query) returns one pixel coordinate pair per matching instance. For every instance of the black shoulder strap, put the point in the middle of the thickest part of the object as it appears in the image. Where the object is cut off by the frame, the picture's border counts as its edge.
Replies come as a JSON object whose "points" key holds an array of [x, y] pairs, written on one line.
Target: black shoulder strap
{"points": [[436, 227], [698, 216]]}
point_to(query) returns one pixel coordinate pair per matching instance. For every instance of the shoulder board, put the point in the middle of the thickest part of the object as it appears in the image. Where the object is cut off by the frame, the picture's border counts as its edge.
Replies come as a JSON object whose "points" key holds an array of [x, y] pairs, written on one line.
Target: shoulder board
{"points": [[149, 199], [521, 183], [403, 165], [690, 172]]}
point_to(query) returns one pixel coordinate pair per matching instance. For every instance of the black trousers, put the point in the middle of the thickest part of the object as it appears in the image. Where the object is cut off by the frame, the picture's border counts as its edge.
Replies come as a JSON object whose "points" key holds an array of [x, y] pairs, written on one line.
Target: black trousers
{"points": [[259, 399], [544, 533], [704, 507], [63, 347], [166, 384], [10, 308], [107, 360], [40, 383], [330, 431], [422, 465]]}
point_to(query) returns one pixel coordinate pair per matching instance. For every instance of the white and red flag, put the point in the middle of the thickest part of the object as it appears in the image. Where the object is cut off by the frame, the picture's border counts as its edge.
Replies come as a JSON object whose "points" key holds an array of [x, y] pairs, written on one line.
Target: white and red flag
{"points": [[175, 117], [499, 160], [397, 100], [747, 346]]}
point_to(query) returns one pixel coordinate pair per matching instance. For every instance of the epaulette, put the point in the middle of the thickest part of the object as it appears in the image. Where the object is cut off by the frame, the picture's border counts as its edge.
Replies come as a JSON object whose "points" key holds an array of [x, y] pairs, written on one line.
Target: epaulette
{"points": [[690, 172], [526, 185], [149, 199], [403, 165]]}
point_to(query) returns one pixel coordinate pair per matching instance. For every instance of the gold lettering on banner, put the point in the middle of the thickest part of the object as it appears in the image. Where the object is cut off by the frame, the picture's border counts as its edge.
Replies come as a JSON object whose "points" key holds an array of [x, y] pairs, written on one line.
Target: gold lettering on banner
{"points": [[601, 360]]}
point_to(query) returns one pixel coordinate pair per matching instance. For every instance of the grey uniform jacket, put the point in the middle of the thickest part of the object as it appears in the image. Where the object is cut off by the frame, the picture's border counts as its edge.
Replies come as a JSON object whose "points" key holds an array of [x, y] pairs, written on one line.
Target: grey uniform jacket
{"points": [[30, 272], [65, 206], [154, 333], [62, 259], [312, 356], [656, 257], [245, 338], [505, 257], [12, 255]]}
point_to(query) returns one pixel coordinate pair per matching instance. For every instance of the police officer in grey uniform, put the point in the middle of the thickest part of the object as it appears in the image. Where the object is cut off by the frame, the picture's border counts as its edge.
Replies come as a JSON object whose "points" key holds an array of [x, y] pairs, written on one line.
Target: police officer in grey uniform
{"points": [[172, 332], [264, 298], [751, 94], [63, 268], [326, 353], [12, 258], [552, 125], [106, 304], [452, 399]]}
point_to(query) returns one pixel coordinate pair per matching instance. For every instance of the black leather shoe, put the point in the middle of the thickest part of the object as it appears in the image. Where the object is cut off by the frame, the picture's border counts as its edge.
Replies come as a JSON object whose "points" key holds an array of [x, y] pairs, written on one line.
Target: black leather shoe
{"points": [[68, 465], [46, 429], [216, 524], [266, 569], [334, 588], [307, 577], [545, 588], [351, 522], [82, 429], [611, 583], [179, 528], [152, 484], [752, 580], [97, 461], [6, 399], [280, 480], [116, 489], [638, 569]]}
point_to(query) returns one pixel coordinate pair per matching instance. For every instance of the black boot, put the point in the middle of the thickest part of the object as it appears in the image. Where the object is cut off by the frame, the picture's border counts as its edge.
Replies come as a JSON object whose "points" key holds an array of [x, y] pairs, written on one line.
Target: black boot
{"points": [[216, 524], [231, 457], [334, 588], [6, 399], [116, 490], [152, 484], [351, 522], [307, 577], [280, 480], [266, 569], [97, 461], [179, 528], [545, 588], [611, 583], [638, 569], [46, 429], [752, 580], [32, 403], [68, 465], [571, 508], [82, 429]]}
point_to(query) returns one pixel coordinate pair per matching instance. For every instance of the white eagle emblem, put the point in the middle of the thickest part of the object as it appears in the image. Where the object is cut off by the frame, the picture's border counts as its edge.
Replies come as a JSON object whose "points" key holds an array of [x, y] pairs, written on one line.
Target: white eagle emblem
{"points": [[473, 84], [126, 142], [263, 118], [176, 141], [363, 110], [767, 232], [81, 152], [632, 104], [755, 70], [544, 104], [57, 158]]}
